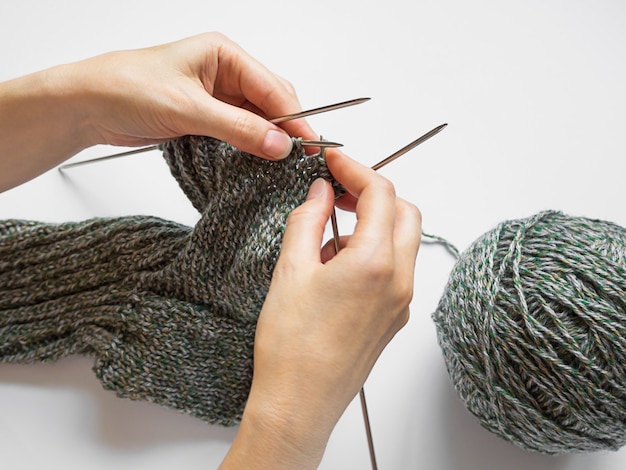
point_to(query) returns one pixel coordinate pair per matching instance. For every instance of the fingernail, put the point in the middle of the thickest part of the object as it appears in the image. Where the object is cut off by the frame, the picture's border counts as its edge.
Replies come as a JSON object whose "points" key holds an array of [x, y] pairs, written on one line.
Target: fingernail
{"points": [[277, 144], [317, 189]]}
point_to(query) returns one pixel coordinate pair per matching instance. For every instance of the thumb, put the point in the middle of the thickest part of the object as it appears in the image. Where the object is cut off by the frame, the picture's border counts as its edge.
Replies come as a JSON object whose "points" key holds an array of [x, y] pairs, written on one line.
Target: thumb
{"points": [[245, 130], [302, 240]]}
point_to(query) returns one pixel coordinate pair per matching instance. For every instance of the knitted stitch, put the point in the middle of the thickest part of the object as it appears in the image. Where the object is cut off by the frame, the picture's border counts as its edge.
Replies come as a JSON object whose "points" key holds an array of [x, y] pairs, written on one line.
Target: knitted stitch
{"points": [[532, 325], [168, 312]]}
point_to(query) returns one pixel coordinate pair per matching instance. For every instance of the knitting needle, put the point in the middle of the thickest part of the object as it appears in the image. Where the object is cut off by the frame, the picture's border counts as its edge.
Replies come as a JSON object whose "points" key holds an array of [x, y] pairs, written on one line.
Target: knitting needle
{"points": [[108, 157], [366, 418], [323, 109], [304, 143], [277, 120], [335, 228], [319, 143], [410, 146]]}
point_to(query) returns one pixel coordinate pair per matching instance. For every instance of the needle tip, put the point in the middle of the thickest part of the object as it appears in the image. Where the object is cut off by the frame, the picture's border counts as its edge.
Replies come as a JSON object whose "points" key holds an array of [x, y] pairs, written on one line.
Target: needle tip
{"points": [[436, 130]]}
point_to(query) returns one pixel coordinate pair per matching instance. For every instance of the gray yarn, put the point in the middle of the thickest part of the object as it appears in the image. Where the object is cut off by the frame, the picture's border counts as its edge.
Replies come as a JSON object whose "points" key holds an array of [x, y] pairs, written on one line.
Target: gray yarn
{"points": [[532, 325], [168, 312]]}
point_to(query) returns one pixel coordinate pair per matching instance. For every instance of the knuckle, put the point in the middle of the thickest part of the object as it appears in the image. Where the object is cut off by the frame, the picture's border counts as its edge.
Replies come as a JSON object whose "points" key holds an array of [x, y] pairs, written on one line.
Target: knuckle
{"points": [[412, 211], [277, 94], [380, 271], [386, 187], [405, 291], [218, 36], [285, 267], [269, 97], [299, 214], [210, 39], [240, 126], [383, 276], [289, 88], [403, 318], [401, 300]]}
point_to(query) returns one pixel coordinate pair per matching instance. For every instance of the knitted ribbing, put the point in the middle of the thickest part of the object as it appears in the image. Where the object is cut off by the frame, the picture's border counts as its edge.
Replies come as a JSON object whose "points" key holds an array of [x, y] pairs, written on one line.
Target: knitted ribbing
{"points": [[167, 311], [532, 325]]}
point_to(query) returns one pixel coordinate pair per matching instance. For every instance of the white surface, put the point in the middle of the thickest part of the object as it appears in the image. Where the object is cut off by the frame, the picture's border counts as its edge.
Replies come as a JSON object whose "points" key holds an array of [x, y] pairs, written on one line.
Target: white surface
{"points": [[534, 94]]}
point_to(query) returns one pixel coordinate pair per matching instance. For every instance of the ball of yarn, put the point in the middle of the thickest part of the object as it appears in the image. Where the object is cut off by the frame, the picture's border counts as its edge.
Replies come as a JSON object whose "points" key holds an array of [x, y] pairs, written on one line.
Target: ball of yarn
{"points": [[532, 325]]}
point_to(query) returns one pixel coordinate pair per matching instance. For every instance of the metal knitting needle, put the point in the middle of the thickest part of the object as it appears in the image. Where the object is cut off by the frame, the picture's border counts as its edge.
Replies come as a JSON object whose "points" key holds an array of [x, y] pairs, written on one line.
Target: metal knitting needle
{"points": [[319, 143], [333, 222], [411, 146], [304, 143], [322, 109], [366, 418], [108, 157], [288, 117]]}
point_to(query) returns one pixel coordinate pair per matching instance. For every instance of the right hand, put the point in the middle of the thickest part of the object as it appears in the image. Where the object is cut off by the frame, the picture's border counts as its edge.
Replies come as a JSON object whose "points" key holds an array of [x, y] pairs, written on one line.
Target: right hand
{"points": [[324, 324]]}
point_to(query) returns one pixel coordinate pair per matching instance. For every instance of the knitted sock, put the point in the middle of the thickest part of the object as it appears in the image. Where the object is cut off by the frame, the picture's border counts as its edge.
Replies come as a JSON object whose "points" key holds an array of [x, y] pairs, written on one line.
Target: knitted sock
{"points": [[168, 312]]}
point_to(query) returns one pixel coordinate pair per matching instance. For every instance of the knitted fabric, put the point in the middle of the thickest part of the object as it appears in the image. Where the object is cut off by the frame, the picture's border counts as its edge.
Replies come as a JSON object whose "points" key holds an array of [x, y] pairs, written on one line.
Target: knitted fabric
{"points": [[532, 325], [167, 311]]}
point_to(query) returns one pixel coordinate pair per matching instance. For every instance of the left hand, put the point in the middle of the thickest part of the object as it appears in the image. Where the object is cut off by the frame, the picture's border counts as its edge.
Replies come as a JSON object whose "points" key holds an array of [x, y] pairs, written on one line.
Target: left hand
{"points": [[203, 85]]}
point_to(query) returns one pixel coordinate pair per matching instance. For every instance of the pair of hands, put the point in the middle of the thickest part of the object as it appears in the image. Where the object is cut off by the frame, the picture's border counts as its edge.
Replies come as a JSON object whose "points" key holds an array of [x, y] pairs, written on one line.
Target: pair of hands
{"points": [[326, 318]]}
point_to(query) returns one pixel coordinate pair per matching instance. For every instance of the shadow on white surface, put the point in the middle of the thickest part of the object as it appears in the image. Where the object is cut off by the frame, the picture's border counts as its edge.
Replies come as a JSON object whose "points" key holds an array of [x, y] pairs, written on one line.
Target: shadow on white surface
{"points": [[116, 423], [471, 447]]}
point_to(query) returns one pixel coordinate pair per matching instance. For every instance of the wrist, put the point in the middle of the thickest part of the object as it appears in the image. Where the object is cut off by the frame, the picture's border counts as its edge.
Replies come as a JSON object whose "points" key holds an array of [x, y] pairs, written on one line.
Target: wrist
{"points": [[68, 90], [271, 436], [41, 124]]}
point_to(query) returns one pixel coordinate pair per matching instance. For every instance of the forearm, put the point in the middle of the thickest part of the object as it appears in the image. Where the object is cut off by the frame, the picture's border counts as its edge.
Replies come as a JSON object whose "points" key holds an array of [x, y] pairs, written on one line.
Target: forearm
{"points": [[41, 124]]}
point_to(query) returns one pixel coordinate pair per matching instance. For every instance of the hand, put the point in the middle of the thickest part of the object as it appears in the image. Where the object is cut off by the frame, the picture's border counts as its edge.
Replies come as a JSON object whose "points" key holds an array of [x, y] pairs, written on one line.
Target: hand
{"points": [[203, 85], [324, 324]]}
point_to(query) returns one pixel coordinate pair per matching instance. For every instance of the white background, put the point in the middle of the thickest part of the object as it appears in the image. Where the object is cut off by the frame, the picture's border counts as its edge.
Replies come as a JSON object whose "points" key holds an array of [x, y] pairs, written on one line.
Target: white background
{"points": [[535, 96]]}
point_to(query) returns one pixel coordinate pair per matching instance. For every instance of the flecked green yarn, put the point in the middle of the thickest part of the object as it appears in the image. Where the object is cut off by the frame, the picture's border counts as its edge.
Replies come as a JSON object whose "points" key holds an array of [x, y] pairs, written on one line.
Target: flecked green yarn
{"points": [[167, 311], [532, 325]]}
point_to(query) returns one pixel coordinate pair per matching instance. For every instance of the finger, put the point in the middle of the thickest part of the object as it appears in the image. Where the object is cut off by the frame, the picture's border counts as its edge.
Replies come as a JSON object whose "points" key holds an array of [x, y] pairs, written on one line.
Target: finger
{"points": [[347, 202], [277, 100], [300, 127], [305, 226], [407, 236], [271, 94], [235, 78], [301, 130], [376, 205], [241, 128]]}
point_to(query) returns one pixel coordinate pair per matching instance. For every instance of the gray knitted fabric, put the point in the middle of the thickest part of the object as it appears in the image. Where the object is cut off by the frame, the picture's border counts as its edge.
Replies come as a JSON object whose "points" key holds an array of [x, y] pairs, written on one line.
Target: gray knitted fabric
{"points": [[532, 325], [167, 311]]}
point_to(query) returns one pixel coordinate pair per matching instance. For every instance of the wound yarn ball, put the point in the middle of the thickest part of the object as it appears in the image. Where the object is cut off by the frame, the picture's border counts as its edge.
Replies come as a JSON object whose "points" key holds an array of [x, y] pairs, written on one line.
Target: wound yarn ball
{"points": [[532, 325]]}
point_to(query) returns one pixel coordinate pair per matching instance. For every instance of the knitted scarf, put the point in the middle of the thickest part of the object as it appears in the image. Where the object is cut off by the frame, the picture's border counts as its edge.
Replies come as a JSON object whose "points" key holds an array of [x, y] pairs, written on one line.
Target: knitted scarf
{"points": [[167, 311]]}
